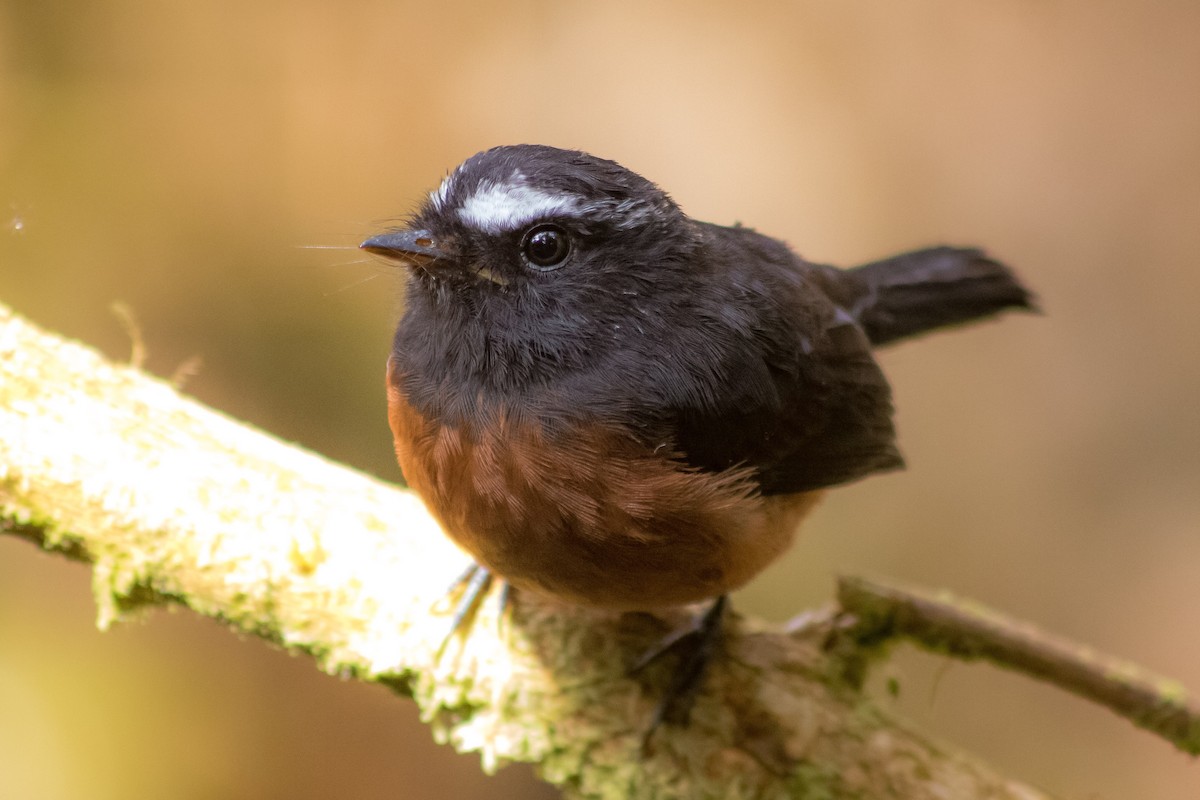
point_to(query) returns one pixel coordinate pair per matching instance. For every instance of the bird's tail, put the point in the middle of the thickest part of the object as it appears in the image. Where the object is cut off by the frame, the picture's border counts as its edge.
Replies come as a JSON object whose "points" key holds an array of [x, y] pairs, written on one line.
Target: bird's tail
{"points": [[926, 289]]}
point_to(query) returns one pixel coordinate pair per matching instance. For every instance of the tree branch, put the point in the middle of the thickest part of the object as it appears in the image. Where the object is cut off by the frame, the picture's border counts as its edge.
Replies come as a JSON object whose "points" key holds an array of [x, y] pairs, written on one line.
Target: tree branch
{"points": [[968, 630], [173, 502]]}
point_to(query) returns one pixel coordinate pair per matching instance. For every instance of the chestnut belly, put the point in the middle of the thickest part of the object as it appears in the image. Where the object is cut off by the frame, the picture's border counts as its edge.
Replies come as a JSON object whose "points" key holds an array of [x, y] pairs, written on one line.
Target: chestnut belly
{"points": [[590, 516]]}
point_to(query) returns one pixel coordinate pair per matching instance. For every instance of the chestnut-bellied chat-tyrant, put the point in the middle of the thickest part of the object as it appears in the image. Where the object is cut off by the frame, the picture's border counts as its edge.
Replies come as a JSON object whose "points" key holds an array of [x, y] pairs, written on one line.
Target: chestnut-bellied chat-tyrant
{"points": [[607, 402]]}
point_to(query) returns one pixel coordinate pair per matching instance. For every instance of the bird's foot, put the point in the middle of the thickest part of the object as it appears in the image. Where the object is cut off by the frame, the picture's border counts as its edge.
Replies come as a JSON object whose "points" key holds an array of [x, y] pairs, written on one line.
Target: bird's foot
{"points": [[696, 645], [473, 584]]}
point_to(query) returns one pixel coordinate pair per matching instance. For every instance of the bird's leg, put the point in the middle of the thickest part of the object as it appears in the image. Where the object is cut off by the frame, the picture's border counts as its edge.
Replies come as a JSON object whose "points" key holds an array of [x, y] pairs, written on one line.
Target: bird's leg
{"points": [[695, 645], [474, 583]]}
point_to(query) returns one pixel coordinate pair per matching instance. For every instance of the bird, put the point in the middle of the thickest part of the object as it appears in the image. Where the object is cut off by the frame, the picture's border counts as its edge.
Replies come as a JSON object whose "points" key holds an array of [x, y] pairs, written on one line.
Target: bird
{"points": [[608, 403]]}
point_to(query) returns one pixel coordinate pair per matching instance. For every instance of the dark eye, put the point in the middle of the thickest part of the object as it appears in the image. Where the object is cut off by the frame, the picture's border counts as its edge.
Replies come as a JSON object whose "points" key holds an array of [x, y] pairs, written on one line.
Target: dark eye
{"points": [[545, 246]]}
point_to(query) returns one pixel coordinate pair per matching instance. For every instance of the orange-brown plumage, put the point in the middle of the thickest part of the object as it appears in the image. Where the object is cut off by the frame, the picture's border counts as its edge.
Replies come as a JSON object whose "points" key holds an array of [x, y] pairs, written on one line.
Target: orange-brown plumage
{"points": [[590, 515]]}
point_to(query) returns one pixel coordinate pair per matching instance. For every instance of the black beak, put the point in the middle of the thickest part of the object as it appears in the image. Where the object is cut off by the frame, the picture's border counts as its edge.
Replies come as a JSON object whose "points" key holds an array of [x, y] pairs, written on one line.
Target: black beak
{"points": [[414, 247]]}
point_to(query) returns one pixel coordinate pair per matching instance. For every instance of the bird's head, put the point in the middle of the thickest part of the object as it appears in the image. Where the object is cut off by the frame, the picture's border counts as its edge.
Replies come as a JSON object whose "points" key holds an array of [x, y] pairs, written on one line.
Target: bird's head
{"points": [[530, 263], [537, 222]]}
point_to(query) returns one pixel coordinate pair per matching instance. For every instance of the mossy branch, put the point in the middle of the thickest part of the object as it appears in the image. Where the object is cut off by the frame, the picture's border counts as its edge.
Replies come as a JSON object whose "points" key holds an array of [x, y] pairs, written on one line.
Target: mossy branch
{"points": [[173, 502], [955, 626]]}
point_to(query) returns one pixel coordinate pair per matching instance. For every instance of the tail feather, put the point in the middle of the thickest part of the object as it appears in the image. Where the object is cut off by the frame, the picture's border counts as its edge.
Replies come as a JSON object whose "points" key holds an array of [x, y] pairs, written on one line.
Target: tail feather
{"points": [[927, 289]]}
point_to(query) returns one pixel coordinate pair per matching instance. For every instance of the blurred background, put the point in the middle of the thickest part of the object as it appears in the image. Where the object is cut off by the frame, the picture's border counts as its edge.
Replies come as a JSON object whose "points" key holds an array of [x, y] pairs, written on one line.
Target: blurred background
{"points": [[184, 158]]}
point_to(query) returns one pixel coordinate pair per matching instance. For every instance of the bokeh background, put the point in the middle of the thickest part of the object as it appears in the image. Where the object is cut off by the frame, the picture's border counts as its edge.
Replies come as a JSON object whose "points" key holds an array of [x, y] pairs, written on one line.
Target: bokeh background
{"points": [[182, 158]]}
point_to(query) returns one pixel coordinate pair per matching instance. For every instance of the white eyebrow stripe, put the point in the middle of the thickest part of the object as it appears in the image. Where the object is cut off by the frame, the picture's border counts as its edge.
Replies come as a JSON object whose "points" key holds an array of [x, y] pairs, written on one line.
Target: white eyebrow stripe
{"points": [[500, 207], [438, 196]]}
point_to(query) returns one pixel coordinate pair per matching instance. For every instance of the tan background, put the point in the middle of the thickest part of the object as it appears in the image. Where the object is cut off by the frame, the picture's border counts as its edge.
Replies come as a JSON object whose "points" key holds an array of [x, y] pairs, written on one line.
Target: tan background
{"points": [[177, 156]]}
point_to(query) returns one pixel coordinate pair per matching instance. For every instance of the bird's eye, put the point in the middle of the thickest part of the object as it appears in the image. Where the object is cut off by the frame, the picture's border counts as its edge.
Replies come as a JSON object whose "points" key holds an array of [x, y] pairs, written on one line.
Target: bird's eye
{"points": [[545, 247]]}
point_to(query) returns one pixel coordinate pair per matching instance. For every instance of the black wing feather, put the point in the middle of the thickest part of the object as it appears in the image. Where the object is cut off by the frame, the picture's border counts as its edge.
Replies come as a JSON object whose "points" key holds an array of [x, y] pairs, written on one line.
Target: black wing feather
{"points": [[827, 415]]}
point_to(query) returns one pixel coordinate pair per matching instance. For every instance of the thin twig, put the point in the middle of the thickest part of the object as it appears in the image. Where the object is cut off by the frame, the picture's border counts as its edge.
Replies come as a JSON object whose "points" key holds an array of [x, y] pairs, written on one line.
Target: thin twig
{"points": [[133, 329], [969, 630]]}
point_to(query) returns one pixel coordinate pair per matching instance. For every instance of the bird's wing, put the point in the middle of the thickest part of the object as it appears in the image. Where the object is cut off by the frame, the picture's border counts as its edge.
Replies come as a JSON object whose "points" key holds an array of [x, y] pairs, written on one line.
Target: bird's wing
{"points": [[804, 405]]}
